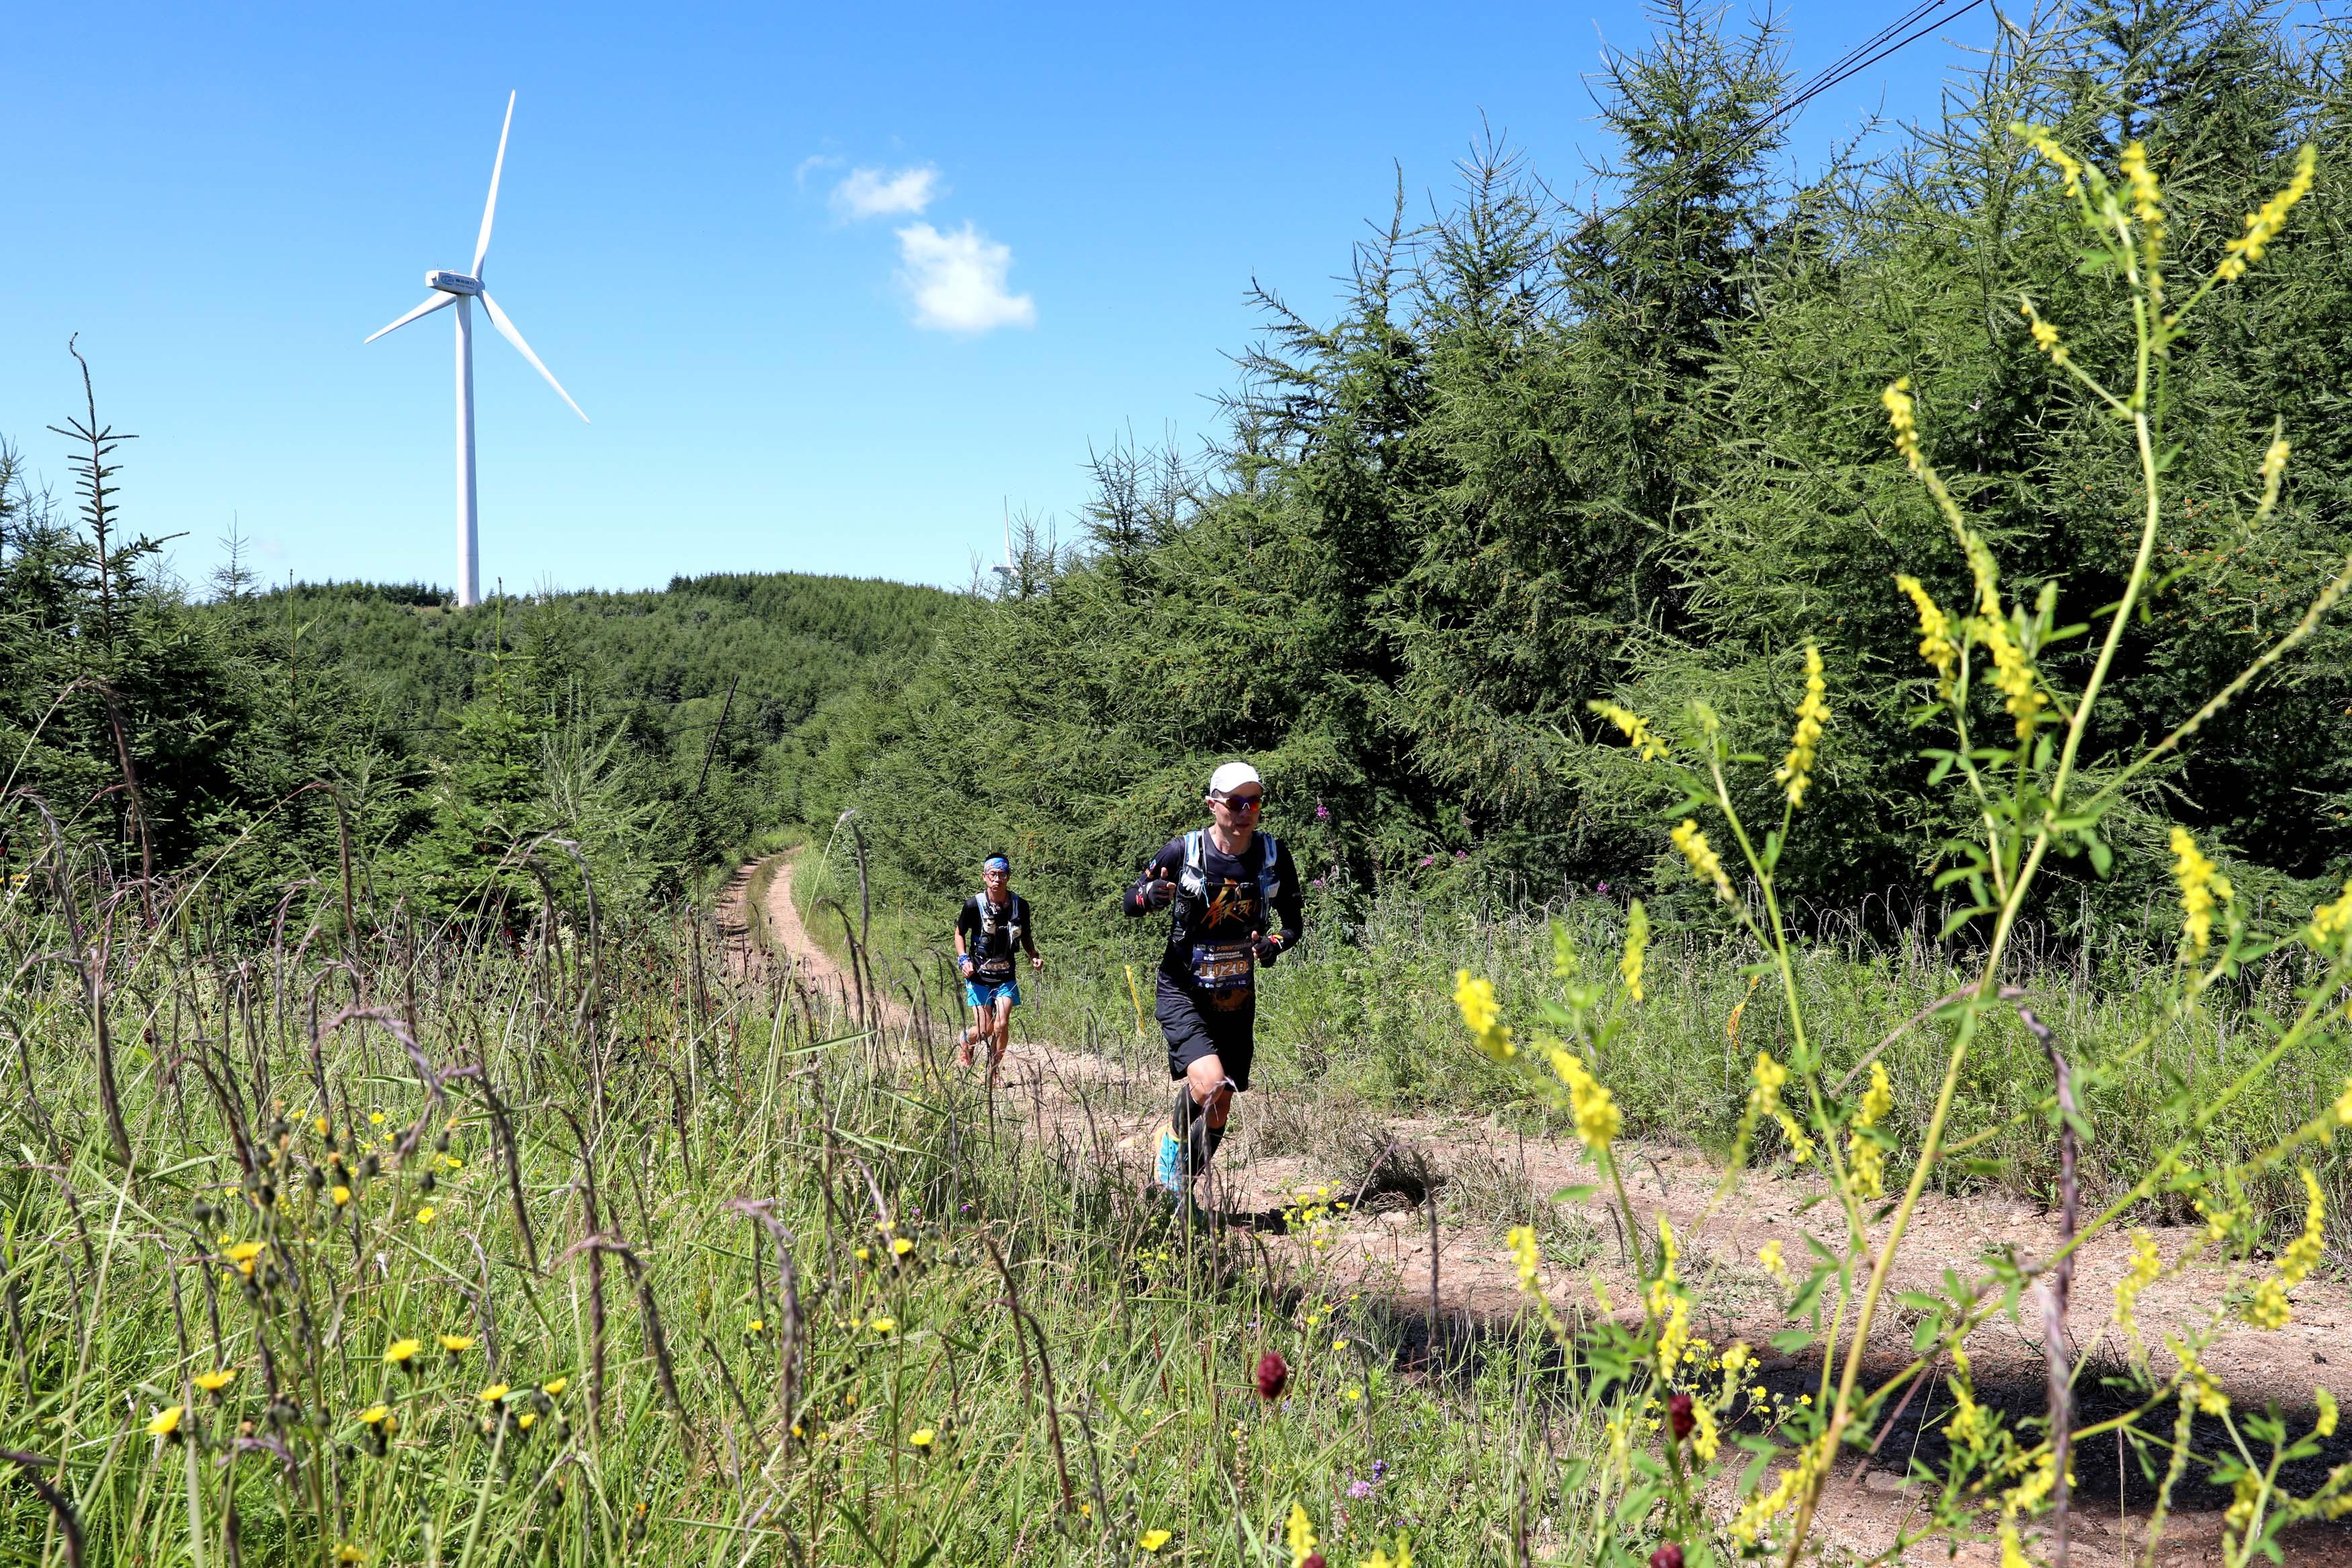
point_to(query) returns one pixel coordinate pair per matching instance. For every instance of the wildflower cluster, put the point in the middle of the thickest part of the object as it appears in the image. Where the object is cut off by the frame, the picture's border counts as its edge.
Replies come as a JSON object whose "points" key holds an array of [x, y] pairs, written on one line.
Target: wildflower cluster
{"points": [[2203, 890], [1865, 1155], [2263, 226], [2269, 1308], [1796, 771], [1705, 864], [1935, 642], [1637, 731]]}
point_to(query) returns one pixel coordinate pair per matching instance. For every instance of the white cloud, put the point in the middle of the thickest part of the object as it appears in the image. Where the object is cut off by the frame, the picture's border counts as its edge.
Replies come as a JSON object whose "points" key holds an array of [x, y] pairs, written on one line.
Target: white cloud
{"points": [[876, 193], [957, 280], [812, 163]]}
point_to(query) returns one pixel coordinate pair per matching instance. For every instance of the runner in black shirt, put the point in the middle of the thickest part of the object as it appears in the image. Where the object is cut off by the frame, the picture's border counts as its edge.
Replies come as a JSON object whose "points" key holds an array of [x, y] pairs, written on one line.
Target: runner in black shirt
{"points": [[1235, 899], [991, 924]]}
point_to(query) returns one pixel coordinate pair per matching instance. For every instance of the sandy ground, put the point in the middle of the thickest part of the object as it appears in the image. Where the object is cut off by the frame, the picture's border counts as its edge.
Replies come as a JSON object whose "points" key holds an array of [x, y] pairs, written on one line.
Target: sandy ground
{"points": [[1115, 1107]]}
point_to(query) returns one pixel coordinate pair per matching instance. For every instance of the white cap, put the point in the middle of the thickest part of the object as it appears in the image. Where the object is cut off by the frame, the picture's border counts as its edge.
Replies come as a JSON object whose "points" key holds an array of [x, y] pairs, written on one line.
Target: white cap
{"points": [[1231, 776]]}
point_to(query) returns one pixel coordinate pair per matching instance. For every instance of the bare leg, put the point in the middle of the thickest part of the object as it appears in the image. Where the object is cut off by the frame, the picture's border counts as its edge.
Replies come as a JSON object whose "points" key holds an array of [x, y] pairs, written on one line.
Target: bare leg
{"points": [[1000, 1035]]}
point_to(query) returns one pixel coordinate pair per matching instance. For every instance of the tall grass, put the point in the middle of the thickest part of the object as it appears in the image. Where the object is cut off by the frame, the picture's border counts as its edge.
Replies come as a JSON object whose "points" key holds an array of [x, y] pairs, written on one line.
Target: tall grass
{"points": [[725, 1279]]}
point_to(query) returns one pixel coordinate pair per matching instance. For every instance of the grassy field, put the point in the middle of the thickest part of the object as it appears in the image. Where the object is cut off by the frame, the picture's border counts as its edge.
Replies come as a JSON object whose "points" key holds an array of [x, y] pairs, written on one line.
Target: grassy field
{"points": [[580, 1253]]}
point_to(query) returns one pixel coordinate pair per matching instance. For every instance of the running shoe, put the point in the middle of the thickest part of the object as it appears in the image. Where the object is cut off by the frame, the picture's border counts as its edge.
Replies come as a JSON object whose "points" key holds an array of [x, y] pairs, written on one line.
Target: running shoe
{"points": [[1170, 1169]]}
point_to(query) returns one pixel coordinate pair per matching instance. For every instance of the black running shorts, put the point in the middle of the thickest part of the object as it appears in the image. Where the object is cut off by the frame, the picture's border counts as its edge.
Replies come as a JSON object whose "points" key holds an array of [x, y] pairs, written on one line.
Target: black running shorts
{"points": [[1196, 1028]]}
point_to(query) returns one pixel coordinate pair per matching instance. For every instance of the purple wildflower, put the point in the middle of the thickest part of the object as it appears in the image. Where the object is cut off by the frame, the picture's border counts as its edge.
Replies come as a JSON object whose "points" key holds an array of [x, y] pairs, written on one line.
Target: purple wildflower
{"points": [[1604, 890], [1322, 812], [1429, 860], [1360, 1490], [1380, 1468]]}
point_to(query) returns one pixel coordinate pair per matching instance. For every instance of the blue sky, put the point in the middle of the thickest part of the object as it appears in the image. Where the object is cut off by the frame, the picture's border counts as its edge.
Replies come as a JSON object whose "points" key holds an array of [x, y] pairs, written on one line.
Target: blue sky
{"points": [[783, 374]]}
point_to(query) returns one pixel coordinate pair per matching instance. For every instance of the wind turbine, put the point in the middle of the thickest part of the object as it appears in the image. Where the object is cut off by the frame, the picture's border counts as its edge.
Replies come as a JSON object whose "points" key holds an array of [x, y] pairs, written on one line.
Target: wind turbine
{"points": [[461, 290]]}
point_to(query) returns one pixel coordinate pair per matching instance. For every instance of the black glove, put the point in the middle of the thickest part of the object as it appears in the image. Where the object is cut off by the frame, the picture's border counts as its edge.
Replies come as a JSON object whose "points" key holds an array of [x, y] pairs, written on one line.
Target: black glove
{"points": [[1269, 948], [1157, 895]]}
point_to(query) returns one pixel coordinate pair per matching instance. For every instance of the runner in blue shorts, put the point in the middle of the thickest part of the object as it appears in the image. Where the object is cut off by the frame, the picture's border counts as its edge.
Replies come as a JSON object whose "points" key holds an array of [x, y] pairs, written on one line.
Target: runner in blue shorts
{"points": [[992, 923]]}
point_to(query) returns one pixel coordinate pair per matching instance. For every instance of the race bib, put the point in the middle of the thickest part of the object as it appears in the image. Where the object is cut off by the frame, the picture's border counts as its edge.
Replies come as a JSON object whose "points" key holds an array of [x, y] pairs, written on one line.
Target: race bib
{"points": [[1222, 966]]}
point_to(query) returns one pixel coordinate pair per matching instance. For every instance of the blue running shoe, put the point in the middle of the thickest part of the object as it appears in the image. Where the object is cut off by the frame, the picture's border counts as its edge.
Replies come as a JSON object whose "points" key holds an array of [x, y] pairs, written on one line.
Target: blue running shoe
{"points": [[1170, 1171]]}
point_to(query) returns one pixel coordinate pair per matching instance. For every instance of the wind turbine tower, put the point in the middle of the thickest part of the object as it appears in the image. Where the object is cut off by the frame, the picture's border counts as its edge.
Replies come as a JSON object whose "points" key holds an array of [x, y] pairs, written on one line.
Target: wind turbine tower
{"points": [[461, 290]]}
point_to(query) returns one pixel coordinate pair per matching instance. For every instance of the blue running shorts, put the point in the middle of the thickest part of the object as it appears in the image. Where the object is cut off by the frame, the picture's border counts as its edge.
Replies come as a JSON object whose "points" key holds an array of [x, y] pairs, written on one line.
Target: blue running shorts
{"points": [[980, 994]]}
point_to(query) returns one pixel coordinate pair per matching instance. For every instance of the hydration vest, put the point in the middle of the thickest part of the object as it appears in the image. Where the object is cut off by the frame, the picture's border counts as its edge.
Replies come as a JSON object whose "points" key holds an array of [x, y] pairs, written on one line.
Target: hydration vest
{"points": [[987, 965], [1192, 885]]}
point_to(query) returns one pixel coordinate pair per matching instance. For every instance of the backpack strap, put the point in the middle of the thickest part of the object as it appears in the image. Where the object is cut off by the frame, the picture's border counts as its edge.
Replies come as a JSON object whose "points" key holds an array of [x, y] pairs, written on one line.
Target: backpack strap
{"points": [[1269, 882]]}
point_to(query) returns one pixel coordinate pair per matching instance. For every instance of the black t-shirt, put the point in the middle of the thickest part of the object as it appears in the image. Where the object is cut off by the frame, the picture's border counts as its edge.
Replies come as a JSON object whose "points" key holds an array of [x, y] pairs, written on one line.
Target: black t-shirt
{"points": [[1231, 909], [991, 933]]}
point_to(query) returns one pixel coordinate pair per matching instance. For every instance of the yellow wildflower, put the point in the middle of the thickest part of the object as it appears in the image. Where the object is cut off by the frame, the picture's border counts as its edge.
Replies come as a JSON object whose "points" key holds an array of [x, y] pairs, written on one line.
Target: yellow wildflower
{"points": [[1705, 864], [1673, 1336], [166, 1421], [901, 1247], [1483, 1016], [347, 1552], [1863, 1156], [400, 1350], [375, 1118], [1902, 416], [1299, 1535], [1638, 734], [1796, 769], [2269, 1306], [1706, 1439], [1935, 643], [214, 1381], [923, 1437], [341, 1195], [425, 1216], [243, 1253], [2273, 472], [1380, 1559], [884, 1325], [553, 1386], [2146, 200], [526, 1418], [2045, 336], [373, 1414], [1596, 1117], [1748, 1527], [2202, 890], [2344, 1104], [2327, 1403], [456, 1343], [2042, 142], [2262, 227], [2331, 921], [1637, 948], [1768, 1258], [494, 1393], [1523, 1255], [1153, 1539]]}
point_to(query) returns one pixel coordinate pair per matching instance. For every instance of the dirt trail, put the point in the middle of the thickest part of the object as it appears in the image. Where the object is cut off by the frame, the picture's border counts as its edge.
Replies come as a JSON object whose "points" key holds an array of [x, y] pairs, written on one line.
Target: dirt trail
{"points": [[1120, 1107]]}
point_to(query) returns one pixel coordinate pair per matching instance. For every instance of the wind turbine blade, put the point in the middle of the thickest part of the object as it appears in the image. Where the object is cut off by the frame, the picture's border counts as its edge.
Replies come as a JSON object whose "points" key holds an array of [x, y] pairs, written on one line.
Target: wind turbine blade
{"points": [[432, 302], [507, 330], [490, 207]]}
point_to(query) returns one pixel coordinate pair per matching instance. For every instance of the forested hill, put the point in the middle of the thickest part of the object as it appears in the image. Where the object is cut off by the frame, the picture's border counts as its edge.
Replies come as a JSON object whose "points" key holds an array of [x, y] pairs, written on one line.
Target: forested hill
{"points": [[789, 640], [1623, 439], [257, 725]]}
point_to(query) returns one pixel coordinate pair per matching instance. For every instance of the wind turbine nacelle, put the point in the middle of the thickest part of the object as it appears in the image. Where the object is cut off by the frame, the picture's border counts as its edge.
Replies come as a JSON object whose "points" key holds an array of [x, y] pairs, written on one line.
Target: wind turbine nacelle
{"points": [[453, 283]]}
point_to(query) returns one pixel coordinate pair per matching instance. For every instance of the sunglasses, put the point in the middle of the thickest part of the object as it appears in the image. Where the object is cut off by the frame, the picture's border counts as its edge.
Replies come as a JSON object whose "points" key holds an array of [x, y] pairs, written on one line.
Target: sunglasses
{"points": [[1244, 802]]}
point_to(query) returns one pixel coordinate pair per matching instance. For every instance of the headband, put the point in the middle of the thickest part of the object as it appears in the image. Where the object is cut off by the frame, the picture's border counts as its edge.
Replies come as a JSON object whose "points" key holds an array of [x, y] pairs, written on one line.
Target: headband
{"points": [[996, 863]]}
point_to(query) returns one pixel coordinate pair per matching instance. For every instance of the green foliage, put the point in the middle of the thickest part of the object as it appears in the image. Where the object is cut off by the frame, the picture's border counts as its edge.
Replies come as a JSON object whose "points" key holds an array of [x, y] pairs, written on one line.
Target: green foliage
{"points": [[1545, 455]]}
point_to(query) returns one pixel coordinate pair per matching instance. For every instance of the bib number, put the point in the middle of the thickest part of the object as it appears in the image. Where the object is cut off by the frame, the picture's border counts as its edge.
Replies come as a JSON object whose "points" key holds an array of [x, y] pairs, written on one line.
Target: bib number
{"points": [[1223, 966]]}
